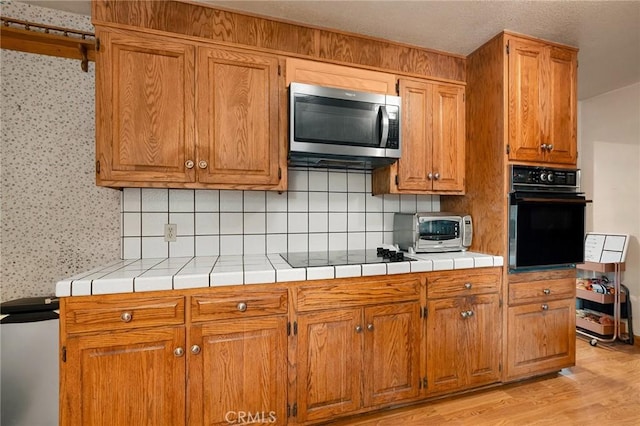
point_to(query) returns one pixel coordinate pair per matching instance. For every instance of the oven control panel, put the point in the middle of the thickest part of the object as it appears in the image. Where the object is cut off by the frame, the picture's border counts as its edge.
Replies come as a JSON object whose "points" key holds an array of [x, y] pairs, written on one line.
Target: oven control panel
{"points": [[544, 176]]}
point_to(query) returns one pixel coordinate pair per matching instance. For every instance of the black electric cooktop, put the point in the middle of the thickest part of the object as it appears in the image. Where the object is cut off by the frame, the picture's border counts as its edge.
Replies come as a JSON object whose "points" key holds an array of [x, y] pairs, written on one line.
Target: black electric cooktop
{"points": [[343, 257]]}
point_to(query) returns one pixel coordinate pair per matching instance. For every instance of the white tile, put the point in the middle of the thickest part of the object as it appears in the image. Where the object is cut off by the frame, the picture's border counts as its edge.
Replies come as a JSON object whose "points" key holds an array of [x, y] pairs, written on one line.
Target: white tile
{"points": [[367, 182], [319, 242], [318, 202], [81, 288], [153, 224], [337, 222], [195, 270], [276, 223], [337, 181], [151, 282], [252, 259], [155, 200], [387, 237], [202, 261], [346, 271], [373, 239], [207, 200], [181, 200], [276, 201], [319, 222], [236, 259], [498, 261], [298, 223], [442, 264], [371, 269], [408, 203], [183, 246], [387, 221], [255, 223], [111, 286], [337, 202], [191, 281], [276, 259], [391, 203], [435, 203], [398, 268], [154, 247], [231, 201], [318, 180], [276, 243], [337, 241], [228, 268], [356, 222], [482, 261], [207, 223], [356, 202], [373, 221], [355, 241], [462, 262], [175, 262], [298, 180], [63, 288], [320, 273], [231, 244], [255, 244], [255, 201], [421, 266], [292, 274], [297, 242], [131, 200], [356, 182], [298, 201], [226, 278], [374, 203], [259, 277], [132, 225], [231, 223], [423, 203], [184, 221], [207, 245]]}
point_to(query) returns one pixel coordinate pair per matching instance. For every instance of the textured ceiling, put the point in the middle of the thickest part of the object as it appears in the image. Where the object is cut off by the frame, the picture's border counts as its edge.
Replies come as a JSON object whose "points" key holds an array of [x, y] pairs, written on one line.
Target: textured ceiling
{"points": [[606, 32]]}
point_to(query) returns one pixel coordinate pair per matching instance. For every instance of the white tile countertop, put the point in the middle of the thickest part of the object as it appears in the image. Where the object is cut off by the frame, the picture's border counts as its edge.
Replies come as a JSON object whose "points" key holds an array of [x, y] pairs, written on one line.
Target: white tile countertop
{"points": [[136, 275]]}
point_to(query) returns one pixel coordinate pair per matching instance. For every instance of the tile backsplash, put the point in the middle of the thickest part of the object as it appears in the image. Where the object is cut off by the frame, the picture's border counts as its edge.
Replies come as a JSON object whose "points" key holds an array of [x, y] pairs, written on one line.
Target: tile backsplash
{"points": [[322, 210]]}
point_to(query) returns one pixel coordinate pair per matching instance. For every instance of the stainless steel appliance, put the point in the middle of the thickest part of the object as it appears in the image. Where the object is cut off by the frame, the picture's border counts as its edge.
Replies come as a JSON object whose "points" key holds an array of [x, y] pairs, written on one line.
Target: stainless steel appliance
{"points": [[332, 128], [546, 218], [344, 257], [432, 232]]}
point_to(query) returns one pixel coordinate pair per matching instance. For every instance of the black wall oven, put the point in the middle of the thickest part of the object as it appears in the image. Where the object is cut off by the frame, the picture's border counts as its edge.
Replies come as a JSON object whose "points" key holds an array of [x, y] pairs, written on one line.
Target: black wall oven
{"points": [[546, 218]]}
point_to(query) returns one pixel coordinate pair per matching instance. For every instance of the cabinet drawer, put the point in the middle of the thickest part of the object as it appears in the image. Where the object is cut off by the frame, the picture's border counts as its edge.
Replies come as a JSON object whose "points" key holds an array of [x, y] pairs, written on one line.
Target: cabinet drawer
{"points": [[238, 304], [541, 291], [464, 282], [106, 313]]}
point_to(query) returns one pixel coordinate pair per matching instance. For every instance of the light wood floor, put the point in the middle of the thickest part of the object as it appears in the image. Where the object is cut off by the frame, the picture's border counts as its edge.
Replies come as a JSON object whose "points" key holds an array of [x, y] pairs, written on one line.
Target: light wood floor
{"points": [[602, 389]]}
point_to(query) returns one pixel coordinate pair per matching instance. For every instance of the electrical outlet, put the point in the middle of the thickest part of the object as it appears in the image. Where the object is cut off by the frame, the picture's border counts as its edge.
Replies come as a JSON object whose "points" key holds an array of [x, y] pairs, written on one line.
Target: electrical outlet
{"points": [[170, 232]]}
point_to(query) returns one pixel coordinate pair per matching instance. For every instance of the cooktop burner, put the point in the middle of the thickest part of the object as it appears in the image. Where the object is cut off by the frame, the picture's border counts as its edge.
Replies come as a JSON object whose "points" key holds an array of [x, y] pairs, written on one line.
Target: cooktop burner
{"points": [[344, 257]]}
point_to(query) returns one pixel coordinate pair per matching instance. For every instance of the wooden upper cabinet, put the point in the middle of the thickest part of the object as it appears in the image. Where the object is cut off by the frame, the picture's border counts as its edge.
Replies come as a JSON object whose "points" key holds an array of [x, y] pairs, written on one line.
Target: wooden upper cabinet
{"points": [[238, 119], [145, 109], [330, 75], [433, 141], [542, 102]]}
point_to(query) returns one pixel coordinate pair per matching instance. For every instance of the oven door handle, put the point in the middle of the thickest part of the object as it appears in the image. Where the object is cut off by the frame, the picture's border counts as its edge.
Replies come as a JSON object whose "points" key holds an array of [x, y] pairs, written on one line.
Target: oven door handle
{"points": [[553, 200]]}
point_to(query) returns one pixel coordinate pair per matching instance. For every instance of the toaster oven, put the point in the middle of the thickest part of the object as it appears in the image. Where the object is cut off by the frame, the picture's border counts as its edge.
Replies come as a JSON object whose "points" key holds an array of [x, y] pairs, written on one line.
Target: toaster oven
{"points": [[432, 232]]}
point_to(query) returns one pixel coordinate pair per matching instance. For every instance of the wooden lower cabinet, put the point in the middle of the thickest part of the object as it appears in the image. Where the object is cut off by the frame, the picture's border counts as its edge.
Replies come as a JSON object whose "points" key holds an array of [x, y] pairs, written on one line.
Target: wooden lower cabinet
{"points": [[541, 338], [124, 377], [350, 359]]}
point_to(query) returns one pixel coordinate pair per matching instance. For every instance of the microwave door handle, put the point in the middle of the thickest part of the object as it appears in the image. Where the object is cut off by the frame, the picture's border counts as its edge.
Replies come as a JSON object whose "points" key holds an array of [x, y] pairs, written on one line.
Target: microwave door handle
{"points": [[384, 137]]}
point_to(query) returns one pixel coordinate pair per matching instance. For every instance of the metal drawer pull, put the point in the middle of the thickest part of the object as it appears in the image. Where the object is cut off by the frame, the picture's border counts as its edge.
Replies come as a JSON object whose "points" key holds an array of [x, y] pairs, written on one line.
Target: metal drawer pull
{"points": [[242, 306], [546, 291], [468, 286], [370, 327], [358, 329], [178, 352], [545, 307], [195, 349], [126, 317], [189, 164], [202, 164]]}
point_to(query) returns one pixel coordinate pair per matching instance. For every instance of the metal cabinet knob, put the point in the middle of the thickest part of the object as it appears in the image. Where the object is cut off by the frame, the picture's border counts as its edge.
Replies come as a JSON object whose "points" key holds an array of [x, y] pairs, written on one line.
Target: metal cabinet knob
{"points": [[202, 164], [126, 317], [550, 147], [178, 352], [545, 307], [430, 176], [469, 313], [358, 329], [242, 306], [370, 327], [546, 291], [544, 146], [195, 349], [436, 176], [468, 286], [189, 164], [464, 314]]}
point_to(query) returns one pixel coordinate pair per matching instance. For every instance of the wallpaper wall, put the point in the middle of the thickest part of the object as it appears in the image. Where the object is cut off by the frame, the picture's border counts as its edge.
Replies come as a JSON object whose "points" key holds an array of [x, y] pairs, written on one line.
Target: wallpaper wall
{"points": [[54, 221]]}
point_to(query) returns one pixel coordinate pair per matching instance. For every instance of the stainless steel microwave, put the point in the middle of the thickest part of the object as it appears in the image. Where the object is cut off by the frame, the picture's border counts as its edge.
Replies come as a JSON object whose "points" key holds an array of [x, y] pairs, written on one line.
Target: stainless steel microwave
{"points": [[432, 232], [330, 127]]}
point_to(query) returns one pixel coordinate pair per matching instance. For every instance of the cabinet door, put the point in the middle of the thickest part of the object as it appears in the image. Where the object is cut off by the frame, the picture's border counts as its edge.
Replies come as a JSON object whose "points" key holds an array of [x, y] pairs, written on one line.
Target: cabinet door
{"points": [[417, 136], [391, 355], [561, 134], [130, 377], [446, 344], [329, 364], [238, 122], [541, 338], [238, 367], [526, 60], [448, 138], [144, 109], [483, 339]]}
